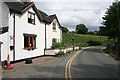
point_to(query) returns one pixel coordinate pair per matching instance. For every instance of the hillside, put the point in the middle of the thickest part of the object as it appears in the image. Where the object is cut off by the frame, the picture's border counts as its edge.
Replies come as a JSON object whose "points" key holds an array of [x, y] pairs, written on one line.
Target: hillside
{"points": [[83, 38]]}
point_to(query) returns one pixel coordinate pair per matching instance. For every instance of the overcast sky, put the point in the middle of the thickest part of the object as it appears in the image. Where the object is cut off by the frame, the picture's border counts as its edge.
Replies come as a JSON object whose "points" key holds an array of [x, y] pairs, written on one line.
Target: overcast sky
{"points": [[73, 12]]}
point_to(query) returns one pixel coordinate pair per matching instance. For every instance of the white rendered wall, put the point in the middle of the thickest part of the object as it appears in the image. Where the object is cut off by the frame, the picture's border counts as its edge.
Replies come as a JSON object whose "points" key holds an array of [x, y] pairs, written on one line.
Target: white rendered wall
{"points": [[50, 33], [4, 46], [4, 13], [22, 26]]}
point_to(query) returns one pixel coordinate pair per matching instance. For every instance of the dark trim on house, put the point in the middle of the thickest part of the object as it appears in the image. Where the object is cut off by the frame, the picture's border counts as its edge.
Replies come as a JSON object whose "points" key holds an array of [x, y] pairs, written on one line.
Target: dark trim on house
{"points": [[14, 36], [33, 45], [45, 39], [0, 52], [3, 30], [29, 35], [31, 17]]}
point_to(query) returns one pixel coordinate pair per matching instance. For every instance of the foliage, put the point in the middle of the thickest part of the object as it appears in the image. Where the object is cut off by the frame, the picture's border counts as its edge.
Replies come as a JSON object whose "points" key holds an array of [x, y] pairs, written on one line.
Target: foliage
{"points": [[64, 29], [59, 53], [68, 51], [94, 32], [91, 32], [72, 32], [103, 31], [81, 29], [93, 43], [111, 20], [82, 39], [58, 45]]}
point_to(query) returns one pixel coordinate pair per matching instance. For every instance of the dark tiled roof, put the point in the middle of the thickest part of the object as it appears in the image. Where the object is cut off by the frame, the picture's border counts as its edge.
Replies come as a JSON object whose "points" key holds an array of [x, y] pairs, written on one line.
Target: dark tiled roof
{"points": [[51, 18], [47, 18], [3, 29], [1, 42], [44, 15], [21, 7], [17, 6]]}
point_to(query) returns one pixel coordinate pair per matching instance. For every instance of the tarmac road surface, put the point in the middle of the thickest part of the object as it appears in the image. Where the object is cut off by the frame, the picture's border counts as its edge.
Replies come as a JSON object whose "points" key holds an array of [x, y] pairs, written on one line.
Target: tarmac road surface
{"points": [[88, 63]]}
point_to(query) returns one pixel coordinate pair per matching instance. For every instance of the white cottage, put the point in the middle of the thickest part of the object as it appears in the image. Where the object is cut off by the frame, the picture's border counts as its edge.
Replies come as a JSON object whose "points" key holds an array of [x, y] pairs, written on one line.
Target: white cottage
{"points": [[28, 31], [52, 29]]}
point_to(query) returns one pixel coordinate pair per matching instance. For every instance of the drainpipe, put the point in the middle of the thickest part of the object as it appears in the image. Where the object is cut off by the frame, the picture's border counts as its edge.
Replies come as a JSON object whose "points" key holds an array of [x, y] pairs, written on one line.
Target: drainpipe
{"points": [[14, 36], [45, 40], [0, 51]]}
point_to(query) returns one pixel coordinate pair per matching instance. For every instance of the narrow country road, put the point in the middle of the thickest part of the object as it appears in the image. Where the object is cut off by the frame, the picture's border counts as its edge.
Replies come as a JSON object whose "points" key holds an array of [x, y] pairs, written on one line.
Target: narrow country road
{"points": [[89, 63]]}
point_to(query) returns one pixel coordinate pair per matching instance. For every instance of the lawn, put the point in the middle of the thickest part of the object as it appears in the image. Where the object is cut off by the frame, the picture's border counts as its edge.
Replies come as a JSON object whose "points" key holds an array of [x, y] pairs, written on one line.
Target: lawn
{"points": [[83, 38]]}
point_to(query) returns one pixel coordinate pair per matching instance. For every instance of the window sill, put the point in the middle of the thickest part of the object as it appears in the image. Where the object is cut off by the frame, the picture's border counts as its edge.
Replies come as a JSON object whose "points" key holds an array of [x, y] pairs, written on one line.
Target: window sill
{"points": [[31, 23], [30, 48], [54, 31]]}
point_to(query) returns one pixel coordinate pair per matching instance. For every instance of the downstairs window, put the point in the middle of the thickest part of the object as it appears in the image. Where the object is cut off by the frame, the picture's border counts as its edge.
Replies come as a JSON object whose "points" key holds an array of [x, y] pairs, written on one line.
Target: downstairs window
{"points": [[29, 41]]}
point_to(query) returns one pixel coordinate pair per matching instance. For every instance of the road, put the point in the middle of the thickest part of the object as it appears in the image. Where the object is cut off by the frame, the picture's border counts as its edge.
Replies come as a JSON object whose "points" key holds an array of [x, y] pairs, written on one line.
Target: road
{"points": [[89, 63]]}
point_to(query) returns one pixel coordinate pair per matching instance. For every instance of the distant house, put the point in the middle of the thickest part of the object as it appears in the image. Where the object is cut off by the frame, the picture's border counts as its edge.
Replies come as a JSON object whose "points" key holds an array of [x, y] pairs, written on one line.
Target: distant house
{"points": [[27, 33]]}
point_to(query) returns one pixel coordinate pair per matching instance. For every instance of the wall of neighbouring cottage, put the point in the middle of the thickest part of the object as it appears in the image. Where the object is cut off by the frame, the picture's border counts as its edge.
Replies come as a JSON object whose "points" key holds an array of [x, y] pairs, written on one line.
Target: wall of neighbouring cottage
{"points": [[4, 21], [50, 33], [4, 13], [22, 26], [4, 46]]}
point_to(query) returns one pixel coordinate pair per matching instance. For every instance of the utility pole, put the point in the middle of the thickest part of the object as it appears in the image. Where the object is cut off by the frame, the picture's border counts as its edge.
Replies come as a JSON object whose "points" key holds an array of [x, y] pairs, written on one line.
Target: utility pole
{"points": [[118, 39]]}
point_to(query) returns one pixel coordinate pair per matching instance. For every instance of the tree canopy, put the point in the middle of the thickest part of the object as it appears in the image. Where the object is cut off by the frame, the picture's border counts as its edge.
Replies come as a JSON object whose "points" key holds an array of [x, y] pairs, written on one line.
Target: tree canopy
{"points": [[111, 20], [81, 29], [64, 29]]}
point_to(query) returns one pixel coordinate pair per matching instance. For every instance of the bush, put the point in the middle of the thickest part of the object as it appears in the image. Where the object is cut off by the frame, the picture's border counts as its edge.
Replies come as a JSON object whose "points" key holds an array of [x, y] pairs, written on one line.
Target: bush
{"points": [[58, 45], [60, 53], [93, 43], [68, 51]]}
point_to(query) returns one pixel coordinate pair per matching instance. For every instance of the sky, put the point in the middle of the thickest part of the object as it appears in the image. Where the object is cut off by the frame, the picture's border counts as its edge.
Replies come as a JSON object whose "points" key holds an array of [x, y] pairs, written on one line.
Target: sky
{"points": [[73, 12]]}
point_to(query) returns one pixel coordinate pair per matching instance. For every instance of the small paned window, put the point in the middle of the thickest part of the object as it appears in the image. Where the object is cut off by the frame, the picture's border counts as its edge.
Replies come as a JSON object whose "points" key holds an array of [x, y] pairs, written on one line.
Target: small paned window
{"points": [[54, 40], [54, 26], [31, 17]]}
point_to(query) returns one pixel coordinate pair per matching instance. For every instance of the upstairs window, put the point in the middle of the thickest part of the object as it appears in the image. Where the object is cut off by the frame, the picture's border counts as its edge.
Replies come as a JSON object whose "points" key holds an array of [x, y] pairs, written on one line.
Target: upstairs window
{"points": [[29, 41], [31, 17], [54, 40], [54, 26]]}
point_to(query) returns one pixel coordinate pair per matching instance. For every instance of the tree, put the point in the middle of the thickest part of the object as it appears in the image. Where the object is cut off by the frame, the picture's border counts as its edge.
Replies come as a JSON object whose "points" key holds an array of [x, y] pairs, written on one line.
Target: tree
{"points": [[91, 32], [81, 29], [103, 31], [64, 29], [111, 21]]}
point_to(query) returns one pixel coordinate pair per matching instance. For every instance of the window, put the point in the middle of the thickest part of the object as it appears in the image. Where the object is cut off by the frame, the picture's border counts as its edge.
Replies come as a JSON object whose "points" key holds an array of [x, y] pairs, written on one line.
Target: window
{"points": [[29, 41], [54, 40], [54, 26], [31, 17]]}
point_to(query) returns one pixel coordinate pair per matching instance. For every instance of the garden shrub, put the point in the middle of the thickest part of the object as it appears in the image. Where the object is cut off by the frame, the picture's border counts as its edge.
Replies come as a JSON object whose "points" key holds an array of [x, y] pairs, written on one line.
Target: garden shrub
{"points": [[58, 45], [60, 53]]}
